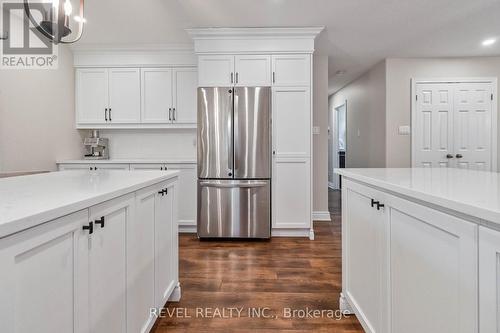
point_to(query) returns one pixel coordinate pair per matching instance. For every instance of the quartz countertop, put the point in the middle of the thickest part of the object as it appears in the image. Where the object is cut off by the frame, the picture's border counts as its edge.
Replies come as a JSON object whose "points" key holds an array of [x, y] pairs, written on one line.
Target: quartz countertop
{"points": [[473, 193], [130, 161], [27, 201]]}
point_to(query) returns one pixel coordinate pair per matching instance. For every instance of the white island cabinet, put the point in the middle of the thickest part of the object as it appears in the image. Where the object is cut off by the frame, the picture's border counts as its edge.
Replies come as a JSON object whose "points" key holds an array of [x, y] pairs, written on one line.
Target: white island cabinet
{"points": [[92, 253], [421, 249]]}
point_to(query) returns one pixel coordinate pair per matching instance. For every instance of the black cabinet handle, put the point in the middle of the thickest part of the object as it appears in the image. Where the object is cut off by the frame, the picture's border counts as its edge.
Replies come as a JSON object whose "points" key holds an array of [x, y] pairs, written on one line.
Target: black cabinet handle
{"points": [[109, 114], [379, 205], [100, 221], [373, 203], [106, 114], [459, 156], [89, 227], [163, 192]]}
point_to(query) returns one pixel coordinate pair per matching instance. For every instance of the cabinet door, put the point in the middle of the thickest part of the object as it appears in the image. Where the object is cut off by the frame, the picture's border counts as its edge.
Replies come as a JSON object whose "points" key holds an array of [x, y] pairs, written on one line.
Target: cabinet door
{"points": [[292, 193], [364, 254], [489, 281], [156, 86], [252, 70], [215, 70], [91, 95], [124, 95], [185, 96], [39, 283], [291, 70], [186, 193], [107, 265], [291, 122], [433, 260], [165, 259], [140, 262]]}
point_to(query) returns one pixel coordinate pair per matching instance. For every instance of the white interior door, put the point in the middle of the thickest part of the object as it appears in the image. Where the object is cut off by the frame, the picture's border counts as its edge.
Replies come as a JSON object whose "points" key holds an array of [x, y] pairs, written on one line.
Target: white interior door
{"points": [[434, 125], [453, 125], [472, 125]]}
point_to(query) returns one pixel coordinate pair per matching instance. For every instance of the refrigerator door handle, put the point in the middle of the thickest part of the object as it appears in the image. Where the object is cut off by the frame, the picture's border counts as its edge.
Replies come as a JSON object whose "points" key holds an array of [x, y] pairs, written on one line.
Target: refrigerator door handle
{"points": [[232, 185], [230, 144]]}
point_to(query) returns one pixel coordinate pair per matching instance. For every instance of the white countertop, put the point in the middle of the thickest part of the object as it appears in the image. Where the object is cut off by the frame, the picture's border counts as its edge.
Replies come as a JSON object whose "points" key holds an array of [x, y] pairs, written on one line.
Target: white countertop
{"points": [[474, 193], [27, 201], [130, 161]]}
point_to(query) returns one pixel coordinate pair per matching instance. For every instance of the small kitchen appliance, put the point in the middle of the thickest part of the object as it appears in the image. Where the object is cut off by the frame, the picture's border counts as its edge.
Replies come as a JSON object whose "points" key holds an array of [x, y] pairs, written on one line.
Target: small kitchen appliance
{"points": [[96, 148]]}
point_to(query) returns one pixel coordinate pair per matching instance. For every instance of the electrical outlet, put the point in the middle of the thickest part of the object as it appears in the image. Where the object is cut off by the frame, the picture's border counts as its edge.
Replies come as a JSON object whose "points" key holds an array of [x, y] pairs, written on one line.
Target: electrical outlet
{"points": [[404, 130]]}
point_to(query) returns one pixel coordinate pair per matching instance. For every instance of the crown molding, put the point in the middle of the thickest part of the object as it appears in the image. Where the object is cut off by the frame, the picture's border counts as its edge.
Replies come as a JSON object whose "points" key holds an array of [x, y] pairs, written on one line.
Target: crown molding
{"points": [[257, 32]]}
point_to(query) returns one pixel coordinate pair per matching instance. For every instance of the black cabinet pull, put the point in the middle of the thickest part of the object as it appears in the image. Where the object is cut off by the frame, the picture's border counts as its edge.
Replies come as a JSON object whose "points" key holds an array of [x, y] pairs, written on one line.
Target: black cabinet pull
{"points": [[106, 114], [89, 227], [373, 203], [163, 192], [109, 114], [379, 205], [100, 221]]}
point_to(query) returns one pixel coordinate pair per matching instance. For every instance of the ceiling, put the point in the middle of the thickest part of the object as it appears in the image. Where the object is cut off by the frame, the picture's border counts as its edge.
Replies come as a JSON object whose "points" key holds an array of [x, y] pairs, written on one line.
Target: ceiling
{"points": [[359, 33]]}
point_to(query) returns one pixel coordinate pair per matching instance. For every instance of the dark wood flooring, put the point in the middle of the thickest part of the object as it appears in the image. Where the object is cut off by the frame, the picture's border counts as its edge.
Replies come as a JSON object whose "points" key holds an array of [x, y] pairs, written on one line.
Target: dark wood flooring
{"points": [[282, 273]]}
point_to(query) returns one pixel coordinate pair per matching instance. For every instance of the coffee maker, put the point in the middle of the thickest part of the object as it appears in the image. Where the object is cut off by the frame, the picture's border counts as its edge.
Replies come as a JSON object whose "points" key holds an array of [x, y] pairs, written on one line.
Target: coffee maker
{"points": [[96, 148]]}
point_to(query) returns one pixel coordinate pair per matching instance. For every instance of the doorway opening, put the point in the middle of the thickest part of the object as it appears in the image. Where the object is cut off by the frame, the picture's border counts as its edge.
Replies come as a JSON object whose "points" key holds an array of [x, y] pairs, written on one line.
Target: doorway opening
{"points": [[337, 143]]}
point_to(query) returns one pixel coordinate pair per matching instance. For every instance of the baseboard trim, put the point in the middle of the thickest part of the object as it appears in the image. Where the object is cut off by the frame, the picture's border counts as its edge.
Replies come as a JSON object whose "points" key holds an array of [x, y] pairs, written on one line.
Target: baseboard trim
{"points": [[291, 232], [187, 229], [321, 216]]}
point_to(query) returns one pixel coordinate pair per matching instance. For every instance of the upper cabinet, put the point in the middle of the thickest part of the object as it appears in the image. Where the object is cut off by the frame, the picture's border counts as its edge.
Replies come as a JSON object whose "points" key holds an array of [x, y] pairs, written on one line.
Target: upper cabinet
{"points": [[230, 70], [91, 95], [156, 87], [252, 70], [105, 96], [136, 97], [124, 95], [291, 70]]}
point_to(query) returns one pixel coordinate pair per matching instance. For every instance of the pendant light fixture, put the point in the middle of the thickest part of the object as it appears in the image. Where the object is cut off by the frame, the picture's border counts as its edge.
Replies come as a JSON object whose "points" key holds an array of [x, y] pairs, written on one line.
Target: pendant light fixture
{"points": [[57, 21]]}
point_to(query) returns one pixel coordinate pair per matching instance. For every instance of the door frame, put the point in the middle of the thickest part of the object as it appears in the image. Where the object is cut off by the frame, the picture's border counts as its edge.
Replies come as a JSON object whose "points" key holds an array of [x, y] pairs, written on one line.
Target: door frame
{"points": [[494, 110], [335, 184]]}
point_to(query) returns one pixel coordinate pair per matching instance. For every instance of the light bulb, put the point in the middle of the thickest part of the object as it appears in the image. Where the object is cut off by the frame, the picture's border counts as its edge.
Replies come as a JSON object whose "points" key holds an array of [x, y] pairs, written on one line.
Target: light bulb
{"points": [[68, 8]]}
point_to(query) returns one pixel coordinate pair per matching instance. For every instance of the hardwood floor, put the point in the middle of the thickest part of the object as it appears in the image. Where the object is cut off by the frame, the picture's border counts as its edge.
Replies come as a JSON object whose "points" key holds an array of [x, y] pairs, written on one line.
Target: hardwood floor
{"points": [[282, 273]]}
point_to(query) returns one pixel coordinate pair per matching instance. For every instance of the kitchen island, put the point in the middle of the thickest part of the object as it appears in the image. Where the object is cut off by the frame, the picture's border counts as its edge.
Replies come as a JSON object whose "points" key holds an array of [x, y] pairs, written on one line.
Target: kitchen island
{"points": [[421, 249], [87, 250]]}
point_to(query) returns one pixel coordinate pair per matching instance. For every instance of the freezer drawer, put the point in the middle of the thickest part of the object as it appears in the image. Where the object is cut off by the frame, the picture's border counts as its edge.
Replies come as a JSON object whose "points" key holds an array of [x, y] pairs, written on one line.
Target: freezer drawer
{"points": [[234, 208]]}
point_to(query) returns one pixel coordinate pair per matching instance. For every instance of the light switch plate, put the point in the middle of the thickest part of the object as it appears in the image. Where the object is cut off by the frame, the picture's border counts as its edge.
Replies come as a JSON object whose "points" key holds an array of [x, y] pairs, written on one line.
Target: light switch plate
{"points": [[404, 130], [316, 130]]}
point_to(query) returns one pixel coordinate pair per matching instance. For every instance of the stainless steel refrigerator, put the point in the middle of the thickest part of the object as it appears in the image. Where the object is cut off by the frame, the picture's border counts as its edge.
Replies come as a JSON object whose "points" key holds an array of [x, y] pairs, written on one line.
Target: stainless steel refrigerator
{"points": [[234, 162]]}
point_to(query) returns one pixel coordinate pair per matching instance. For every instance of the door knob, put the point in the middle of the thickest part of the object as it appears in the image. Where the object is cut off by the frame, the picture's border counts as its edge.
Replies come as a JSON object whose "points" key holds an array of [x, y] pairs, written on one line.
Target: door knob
{"points": [[458, 156], [449, 156]]}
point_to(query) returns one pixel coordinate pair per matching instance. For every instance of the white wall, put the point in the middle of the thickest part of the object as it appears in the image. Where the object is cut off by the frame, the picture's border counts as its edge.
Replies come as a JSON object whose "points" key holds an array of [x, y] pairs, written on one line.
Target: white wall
{"points": [[37, 125], [320, 141], [151, 144], [399, 74], [366, 133]]}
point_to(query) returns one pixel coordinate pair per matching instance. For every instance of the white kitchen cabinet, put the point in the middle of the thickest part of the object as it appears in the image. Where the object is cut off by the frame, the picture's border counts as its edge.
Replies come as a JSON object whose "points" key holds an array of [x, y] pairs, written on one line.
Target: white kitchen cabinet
{"points": [[40, 285], [185, 96], [489, 281], [291, 70], [141, 262], [187, 194], [166, 245], [292, 188], [215, 70], [91, 95], [365, 270], [107, 264], [124, 95], [433, 260], [156, 87], [252, 70], [291, 121]]}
